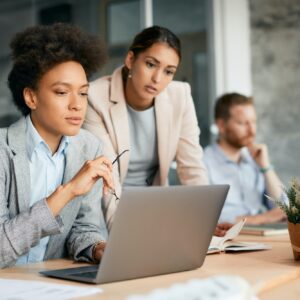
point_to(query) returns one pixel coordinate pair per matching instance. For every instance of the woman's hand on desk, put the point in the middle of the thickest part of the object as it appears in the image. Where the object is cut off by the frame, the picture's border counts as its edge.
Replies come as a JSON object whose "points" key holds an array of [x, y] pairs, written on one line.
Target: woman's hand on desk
{"points": [[222, 228], [98, 251]]}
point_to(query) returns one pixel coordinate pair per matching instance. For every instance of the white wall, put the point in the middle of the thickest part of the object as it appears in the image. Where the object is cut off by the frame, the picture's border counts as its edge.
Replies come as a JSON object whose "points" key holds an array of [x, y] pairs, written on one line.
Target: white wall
{"points": [[231, 43]]}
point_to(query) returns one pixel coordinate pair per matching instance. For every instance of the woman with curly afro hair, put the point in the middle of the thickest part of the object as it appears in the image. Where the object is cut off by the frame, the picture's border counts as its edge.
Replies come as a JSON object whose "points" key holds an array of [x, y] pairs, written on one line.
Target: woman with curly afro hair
{"points": [[52, 173]]}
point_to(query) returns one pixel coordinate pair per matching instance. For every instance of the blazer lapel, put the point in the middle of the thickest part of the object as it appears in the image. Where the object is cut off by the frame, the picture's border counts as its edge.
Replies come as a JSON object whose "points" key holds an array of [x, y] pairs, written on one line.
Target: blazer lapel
{"points": [[72, 161], [16, 138], [120, 122], [119, 116], [163, 113]]}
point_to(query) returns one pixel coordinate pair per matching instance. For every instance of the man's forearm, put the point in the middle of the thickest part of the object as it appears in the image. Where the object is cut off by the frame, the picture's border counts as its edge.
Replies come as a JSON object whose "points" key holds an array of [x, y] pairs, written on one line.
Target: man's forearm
{"points": [[273, 184]]}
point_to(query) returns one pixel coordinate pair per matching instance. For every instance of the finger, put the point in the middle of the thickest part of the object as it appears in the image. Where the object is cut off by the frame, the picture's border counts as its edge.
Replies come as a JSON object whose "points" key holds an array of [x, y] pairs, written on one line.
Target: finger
{"points": [[222, 232], [106, 175], [250, 146], [105, 161], [99, 251], [105, 190], [98, 254], [98, 170], [224, 227], [109, 185], [227, 225], [100, 162], [219, 232], [216, 232], [254, 148]]}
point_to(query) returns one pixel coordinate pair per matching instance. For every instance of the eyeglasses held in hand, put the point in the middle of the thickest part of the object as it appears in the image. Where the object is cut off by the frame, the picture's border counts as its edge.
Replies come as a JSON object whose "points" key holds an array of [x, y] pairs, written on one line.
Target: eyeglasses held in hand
{"points": [[113, 191]]}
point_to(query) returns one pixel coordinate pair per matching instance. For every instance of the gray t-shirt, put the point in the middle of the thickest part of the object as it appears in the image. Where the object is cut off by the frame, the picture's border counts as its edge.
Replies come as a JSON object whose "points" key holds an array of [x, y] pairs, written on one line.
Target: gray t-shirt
{"points": [[143, 163]]}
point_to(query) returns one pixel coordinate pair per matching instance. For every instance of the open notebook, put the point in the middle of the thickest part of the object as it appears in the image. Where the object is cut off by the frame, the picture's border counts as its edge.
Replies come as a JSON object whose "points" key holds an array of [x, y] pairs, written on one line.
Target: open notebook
{"points": [[227, 244]]}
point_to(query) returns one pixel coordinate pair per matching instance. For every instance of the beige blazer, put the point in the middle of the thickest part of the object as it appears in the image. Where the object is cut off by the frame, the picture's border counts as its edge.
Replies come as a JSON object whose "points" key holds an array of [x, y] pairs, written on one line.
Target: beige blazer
{"points": [[176, 123]]}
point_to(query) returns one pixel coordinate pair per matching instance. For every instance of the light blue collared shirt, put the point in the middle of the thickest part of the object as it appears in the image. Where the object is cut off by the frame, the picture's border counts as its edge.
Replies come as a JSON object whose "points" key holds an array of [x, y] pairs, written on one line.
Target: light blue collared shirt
{"points": [[46, 174], [247, 183]]}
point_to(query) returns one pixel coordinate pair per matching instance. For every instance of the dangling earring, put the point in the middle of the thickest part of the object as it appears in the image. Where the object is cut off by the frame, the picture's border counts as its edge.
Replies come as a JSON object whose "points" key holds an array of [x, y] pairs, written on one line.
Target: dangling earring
{"points": [[129, 74]]}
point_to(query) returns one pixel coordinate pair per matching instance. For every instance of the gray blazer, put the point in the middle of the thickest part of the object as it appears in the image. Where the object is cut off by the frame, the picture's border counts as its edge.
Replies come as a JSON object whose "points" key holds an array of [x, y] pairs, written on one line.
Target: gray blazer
{"points": [[79, 225]]}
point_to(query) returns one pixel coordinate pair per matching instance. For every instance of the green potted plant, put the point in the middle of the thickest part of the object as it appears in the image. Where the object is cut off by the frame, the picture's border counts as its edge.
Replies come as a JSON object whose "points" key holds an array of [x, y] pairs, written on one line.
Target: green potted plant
{"points": [[292, 211]]}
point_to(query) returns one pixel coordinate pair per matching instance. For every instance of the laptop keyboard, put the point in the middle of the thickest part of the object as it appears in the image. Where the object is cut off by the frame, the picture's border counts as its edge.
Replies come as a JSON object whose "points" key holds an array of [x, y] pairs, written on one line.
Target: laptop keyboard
{"points": [[85, 274]]}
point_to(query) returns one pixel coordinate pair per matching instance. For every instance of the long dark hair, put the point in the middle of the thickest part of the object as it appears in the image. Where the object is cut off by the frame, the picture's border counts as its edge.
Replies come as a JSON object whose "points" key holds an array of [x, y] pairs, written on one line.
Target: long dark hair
{"points": [[150, 36]]}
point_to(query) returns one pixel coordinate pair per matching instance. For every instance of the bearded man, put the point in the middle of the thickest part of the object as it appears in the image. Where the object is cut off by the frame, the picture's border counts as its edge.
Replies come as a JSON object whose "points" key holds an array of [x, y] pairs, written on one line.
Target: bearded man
{"points": [[236, 159]]}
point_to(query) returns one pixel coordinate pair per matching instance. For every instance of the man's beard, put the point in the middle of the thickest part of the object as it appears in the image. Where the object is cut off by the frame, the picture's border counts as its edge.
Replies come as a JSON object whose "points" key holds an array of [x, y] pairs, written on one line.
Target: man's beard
{"points": [[239, 143]]}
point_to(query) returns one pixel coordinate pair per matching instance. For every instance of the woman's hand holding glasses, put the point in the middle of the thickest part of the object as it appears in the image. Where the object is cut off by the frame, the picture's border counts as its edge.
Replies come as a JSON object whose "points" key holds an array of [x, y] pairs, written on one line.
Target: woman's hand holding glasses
{"points": [[90, 173], [113, 191], [82, 183]]}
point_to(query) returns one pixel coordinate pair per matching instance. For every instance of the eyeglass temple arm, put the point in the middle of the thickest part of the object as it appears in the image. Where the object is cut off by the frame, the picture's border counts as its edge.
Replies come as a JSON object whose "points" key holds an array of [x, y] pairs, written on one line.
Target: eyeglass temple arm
{"points": [[119, 155]]}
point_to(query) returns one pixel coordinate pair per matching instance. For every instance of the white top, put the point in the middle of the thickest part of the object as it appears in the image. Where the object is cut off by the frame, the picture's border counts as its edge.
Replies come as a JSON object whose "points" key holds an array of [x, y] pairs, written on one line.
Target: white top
{"points": [[143, 163]]}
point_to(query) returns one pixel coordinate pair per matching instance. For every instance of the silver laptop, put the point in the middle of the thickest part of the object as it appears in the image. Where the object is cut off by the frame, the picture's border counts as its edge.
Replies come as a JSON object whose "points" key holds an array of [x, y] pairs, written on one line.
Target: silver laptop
{"points": [[156, 230]]}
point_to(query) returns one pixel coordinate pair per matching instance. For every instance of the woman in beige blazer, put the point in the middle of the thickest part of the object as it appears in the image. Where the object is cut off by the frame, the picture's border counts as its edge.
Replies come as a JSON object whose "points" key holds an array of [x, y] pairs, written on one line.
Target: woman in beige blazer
{"points": [[145, 83]]}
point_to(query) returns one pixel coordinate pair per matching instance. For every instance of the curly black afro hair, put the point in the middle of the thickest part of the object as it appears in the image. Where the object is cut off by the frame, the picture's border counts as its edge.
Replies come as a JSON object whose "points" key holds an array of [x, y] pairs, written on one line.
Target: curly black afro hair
{"points": [[39, 48]]}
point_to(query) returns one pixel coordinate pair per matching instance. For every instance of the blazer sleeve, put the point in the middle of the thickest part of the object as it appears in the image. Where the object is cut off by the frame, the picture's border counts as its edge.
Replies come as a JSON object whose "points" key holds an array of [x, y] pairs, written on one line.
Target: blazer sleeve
{"points": [[89, 226], [189, 154], [23, 231], [94, 122]]}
